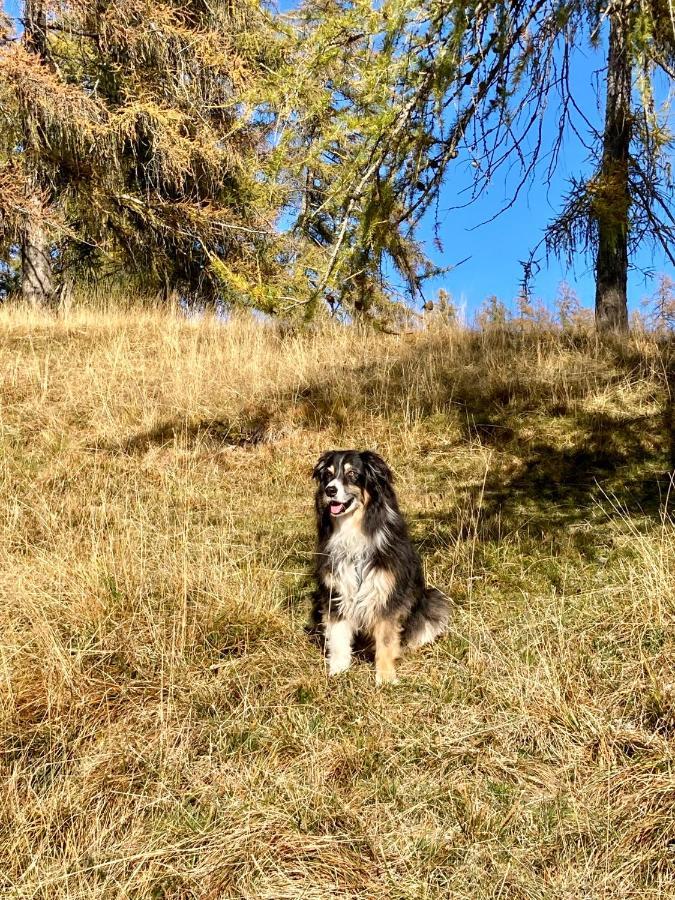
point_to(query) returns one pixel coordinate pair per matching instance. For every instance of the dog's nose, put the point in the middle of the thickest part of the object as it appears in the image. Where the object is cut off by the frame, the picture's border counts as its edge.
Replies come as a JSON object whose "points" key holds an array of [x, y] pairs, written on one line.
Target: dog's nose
{"points": [[331, 491]]}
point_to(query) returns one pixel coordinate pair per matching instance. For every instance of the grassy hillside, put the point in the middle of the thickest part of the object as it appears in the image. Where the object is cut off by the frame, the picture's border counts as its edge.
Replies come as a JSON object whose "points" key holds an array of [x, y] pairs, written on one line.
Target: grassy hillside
{"points": [[168, 729]]}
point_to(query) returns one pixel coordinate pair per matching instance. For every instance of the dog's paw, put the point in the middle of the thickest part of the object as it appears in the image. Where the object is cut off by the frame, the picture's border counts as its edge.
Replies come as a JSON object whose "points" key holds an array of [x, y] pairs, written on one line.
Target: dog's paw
{"points": [[338, 666], [385, 678]]}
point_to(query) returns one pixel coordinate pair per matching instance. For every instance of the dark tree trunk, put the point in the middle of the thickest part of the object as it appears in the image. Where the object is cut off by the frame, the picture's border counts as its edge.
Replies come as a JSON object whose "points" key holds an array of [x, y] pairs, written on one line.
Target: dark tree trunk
{"points": [[612, 199], [37, 286]]}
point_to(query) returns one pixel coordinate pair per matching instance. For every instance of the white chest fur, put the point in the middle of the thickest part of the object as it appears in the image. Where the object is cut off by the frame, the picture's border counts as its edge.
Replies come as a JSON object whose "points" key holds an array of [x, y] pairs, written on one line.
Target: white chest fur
{"points": [[359, 589]]}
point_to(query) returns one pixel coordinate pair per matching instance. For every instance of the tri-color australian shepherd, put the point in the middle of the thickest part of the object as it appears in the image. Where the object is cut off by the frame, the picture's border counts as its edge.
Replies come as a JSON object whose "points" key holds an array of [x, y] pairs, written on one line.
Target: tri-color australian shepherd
{"points": [[370, 578]]}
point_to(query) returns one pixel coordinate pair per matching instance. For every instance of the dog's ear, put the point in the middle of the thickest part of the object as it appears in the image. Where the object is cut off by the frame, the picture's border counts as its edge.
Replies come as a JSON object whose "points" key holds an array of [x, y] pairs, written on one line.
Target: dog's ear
{"points": [[377, 468], [322, 462]]}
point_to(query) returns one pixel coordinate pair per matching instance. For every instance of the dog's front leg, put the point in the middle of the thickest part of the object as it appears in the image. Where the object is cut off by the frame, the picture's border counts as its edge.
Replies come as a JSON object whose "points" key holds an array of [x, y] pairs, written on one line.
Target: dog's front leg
{"points": [[339, 636], [387, 650]]}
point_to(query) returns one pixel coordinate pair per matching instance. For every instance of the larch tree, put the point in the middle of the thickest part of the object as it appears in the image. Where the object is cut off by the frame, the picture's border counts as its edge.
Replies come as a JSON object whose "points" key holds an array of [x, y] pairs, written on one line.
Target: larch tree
{"points": [[36, 266], [229, 154], [613, 200], [138, 127], [30, 225], [351, 147], [629, 197], [411, 88]]}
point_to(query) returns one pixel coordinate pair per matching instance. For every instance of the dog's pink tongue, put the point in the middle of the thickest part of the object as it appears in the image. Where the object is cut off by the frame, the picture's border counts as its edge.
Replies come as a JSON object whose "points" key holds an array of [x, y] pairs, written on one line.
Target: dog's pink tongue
{"points": [[336, 508]]}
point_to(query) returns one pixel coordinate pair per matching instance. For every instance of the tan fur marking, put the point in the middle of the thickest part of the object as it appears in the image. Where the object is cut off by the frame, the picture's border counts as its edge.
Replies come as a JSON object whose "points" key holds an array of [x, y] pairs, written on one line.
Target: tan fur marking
{"points": [[387, 636]]}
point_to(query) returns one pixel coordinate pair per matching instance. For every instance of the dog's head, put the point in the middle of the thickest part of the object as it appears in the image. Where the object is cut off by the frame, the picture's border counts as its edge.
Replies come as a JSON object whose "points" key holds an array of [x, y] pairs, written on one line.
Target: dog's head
{"points": [[349, 480]]}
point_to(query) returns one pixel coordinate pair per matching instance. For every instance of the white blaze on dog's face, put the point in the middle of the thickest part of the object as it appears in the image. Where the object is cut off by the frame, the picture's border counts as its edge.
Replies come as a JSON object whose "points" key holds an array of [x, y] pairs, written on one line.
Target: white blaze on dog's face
{"points": [[342, 479]]}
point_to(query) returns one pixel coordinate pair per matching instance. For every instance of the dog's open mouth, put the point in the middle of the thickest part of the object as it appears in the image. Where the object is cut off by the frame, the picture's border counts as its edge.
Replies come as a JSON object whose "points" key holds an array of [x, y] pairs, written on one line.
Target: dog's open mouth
{"points": [[336, 509]]}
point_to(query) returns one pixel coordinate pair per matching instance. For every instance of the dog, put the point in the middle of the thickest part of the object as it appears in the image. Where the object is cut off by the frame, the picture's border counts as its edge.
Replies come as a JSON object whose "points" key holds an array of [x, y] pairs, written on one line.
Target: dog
{"points": [[369, 576]]}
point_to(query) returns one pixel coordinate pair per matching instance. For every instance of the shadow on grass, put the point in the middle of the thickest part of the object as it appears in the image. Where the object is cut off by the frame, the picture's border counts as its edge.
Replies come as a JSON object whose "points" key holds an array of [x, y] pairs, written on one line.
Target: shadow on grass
{"points": [[623, 462], [190, 435], [602, 468], [614, 468]]}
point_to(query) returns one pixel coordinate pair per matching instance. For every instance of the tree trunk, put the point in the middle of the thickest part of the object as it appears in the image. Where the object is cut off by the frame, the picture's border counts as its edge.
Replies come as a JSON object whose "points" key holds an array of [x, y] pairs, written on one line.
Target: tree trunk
{"points": [[612, 197], [37, 286], [670, 408]]}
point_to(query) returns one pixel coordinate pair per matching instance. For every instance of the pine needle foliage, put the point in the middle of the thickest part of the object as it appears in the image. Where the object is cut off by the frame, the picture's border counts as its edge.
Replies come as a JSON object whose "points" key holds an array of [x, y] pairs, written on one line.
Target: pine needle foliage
{"points": [[233, 154], [142, 124], [408, 91]]}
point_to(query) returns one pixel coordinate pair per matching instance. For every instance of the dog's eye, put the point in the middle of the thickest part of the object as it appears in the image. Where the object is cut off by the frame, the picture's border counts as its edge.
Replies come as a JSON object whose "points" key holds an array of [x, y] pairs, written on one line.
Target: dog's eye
{"points": [[353, 477]]}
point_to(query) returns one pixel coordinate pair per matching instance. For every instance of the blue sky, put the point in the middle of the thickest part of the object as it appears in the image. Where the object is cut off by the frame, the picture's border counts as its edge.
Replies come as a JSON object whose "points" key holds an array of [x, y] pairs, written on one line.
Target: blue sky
{"points": [[495, 249]]}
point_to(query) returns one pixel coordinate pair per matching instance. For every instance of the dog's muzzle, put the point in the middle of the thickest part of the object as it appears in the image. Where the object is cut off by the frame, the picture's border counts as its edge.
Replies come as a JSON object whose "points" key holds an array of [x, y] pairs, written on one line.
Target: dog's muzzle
{"points": [[337, 509]]}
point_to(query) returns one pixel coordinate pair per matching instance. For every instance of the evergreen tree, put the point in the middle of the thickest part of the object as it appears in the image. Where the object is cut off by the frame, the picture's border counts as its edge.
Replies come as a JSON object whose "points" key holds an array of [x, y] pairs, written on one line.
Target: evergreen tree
{"points": [[410, 86], [168, 141], [131, 128], [628, 198]]}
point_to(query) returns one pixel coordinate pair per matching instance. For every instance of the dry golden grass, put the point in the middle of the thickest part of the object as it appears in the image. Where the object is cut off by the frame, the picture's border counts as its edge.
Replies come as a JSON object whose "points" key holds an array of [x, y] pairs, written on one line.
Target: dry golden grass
{"points": [[167, 728]]}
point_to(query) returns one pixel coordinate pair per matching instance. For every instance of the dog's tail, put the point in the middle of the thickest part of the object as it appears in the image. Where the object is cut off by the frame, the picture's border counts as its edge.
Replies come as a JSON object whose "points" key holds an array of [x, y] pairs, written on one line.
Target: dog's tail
{"points": [[428, 619]]}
